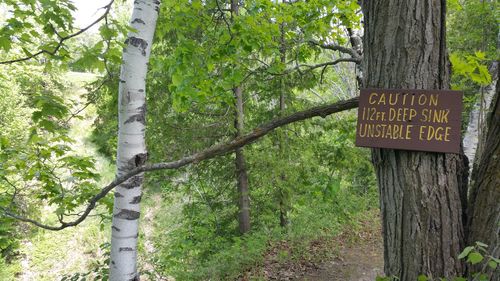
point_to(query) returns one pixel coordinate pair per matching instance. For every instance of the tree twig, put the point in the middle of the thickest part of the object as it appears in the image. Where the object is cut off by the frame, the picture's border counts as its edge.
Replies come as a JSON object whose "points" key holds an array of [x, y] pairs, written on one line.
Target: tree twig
{"points": [[63, 38]]}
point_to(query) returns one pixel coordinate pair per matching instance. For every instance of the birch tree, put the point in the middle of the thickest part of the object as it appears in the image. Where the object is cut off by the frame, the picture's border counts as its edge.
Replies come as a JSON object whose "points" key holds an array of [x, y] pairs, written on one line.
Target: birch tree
{"points": [[131, 151]]}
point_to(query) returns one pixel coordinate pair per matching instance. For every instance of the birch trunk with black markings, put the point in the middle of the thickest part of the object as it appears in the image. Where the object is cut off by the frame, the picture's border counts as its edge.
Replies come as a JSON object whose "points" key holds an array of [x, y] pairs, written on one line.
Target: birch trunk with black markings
{"points": [[422, 195], [131, 151]]}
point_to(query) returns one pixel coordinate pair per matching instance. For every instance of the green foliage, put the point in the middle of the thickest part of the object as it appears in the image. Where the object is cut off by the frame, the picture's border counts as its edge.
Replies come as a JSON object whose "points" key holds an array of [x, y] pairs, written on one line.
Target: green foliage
{"points": [[45, 158], [193, 251], [14, 120], [41, 174], [35, 25], [218, 50], [478, 254], [472, 67], [105, 133], [8, 271], [473, 26], [472, 41]]}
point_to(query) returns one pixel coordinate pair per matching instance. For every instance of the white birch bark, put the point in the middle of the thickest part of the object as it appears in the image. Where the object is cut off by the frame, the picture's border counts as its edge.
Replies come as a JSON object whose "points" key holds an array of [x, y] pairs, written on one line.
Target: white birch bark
{"points": [[476, 129], [131, 151]]}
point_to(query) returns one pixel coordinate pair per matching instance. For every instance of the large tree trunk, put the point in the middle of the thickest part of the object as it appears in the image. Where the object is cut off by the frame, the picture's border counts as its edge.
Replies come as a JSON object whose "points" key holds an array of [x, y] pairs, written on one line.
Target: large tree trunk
{"points": [[131, 150], [421, 194], [484, 207]]}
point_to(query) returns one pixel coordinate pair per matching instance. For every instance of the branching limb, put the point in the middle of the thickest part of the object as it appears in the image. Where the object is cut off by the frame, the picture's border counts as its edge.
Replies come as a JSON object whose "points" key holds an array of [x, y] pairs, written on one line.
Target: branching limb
{"points": [[62, 39], [352, 52], [225, 20], [211, 152]]}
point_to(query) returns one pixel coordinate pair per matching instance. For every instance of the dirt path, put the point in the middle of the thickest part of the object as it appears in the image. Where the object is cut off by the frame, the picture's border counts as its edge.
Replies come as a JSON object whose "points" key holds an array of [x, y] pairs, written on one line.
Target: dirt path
{"points": [[362, 261], [359, 256], [356, 254]]}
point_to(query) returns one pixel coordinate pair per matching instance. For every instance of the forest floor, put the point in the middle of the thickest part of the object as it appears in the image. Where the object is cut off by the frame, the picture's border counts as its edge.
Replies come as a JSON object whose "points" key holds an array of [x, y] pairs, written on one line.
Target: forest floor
{"points": [[356, 254]]}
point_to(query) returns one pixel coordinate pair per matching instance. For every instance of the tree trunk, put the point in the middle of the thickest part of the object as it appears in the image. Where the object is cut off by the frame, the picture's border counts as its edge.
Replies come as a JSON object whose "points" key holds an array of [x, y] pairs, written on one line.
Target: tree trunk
{"points": [[484, 207], [241, 170], [282, 191], [131, 151], [421, 194], [475, 135]]}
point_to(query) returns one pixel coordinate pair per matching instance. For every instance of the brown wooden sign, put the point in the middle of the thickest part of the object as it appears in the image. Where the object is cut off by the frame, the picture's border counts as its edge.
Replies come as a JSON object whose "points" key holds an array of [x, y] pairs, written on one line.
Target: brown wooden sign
{"points": [[423, 120]]}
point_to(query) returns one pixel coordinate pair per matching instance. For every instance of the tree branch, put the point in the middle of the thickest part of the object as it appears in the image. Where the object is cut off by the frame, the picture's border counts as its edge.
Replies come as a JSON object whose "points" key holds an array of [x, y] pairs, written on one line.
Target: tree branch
{"points": [[314, 66], [63, 38], [352, 52], [211, 152]]}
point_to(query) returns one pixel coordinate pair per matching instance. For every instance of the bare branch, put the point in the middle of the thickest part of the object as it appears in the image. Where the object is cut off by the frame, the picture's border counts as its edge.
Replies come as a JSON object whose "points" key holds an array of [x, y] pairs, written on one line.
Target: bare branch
{"points": [[91, 99], [63, 38], [211, 152], [329, 63], [352, 52], [225, 21]]}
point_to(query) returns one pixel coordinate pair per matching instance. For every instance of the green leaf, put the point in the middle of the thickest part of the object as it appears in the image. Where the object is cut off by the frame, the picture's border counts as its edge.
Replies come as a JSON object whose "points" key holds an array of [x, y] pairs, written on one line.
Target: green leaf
{"points": [[176, 79], [465, 252], [4, 142], [480, 55], [475, 258], [5, 43], [422, 278], [492, 264]]}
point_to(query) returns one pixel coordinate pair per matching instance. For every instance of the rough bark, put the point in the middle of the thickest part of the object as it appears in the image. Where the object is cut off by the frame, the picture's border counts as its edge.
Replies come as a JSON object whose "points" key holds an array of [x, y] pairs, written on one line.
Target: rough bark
{"points": [[421, 194], [484, 201], [131, 151]]}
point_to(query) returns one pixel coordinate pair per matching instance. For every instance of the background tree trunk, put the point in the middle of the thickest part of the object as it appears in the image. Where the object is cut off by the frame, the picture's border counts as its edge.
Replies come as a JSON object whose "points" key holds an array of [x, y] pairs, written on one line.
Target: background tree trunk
{"points": [[131, 151], [282, 190], [475, 135], [421, 194], [484, 207], [241, 168]]}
